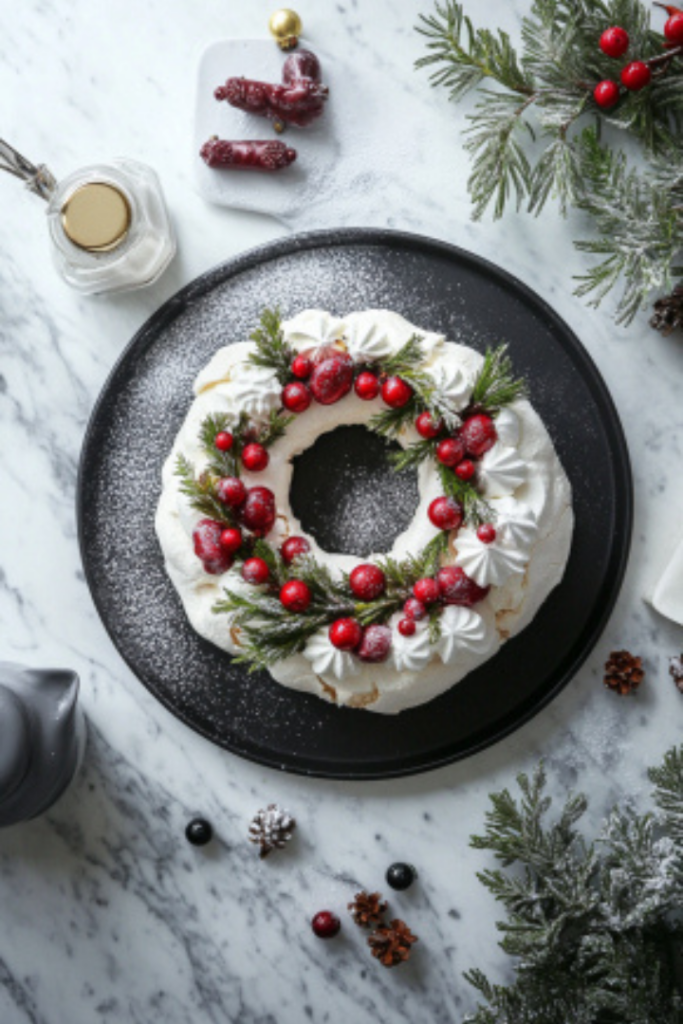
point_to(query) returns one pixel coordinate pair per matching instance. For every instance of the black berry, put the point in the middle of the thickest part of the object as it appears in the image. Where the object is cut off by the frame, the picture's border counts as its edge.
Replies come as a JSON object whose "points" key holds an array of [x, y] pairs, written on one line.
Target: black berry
{"points": [[199, 832], [401, 876]]}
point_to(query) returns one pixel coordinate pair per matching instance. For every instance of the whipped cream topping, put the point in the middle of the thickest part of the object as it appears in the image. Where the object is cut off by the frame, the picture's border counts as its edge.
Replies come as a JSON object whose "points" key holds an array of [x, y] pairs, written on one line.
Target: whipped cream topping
{"points": [[314, 328], [410, 653], [488, 564], [256, 390], [451, 392], [367, 341], [463, 630], [516, 524], [501, 471], [326, 659], [508, 427]]}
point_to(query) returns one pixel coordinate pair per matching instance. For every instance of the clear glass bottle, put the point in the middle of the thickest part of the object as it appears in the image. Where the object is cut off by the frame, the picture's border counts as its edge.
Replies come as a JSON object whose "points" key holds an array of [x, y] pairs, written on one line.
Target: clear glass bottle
{"points": [[108, 223]]}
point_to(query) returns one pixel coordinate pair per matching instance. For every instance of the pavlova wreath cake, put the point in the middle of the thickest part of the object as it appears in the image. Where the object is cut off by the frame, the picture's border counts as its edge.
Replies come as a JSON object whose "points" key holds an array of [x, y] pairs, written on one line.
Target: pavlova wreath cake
{"points": [[489, 540]]}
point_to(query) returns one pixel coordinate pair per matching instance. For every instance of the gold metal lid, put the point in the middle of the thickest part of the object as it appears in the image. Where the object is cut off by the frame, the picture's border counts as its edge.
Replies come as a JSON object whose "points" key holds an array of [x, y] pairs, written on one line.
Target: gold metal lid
{"points": [[96, 217]]}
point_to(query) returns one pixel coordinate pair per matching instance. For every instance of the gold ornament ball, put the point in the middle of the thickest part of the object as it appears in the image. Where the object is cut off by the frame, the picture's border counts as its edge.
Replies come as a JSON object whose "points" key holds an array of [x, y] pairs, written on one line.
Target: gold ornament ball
{"points": [[285, 25]]}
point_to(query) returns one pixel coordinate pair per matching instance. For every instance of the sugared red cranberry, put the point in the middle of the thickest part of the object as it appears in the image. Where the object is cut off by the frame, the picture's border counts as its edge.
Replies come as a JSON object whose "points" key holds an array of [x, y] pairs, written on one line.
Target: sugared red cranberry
{"points": [[332, 378], [346, 634], [457, 588], [295, 596], [486, 533], [445, 513], [450, 451], [231, 540], [258, 511], [636, 75], [296, 397], [325, 924], [614, 41], [255, 458], [367, 582], [255, 571], [396, 393], [224, 441], [606, 94], [478, 435], [231, 491], [427, 426], [301, 367], [406, 627], [414, 609], [673, 29], [426, 590], [465, 470], [293, 547], [376, 644], [206, 538], [366, 386]]}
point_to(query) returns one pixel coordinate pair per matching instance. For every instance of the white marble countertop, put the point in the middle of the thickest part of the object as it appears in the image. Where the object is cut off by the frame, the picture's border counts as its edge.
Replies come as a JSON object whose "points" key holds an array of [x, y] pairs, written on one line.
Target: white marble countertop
{"points": [[107, 913]]}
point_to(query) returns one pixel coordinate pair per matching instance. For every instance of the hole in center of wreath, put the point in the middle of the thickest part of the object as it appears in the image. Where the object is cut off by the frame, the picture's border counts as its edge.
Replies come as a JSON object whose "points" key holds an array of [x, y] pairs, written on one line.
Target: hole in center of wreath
{"points": [[347, 495]]}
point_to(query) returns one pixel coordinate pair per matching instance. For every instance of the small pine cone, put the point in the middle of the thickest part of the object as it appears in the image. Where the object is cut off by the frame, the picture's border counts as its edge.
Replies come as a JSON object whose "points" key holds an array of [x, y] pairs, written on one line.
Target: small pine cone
{"points": [[676, 671], [623, 672], [668, 312], [368, 909], [271, 829], [391, 944]]}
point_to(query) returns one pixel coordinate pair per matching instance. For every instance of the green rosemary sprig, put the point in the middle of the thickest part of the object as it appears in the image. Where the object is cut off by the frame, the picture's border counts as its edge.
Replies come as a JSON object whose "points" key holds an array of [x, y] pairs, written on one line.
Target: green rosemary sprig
{"points": [[496, 386], [408, 358], [413, 456], [272, 351], [475, 509], [220, 463], [391, 422], [275, 428], [200, 491], [434, 624]]}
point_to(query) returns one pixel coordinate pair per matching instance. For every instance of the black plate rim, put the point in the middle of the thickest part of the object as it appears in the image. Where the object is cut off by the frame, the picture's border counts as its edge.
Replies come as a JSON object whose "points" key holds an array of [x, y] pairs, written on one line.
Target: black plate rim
{"points": [[623, 478]]}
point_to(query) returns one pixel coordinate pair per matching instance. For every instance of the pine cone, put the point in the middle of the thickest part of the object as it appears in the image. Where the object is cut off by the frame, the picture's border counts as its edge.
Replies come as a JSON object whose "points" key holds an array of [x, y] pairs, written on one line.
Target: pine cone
{"points": [[676, 671], [668, 312], [391, 944], [368, 909], [623, 672], [271, 829]]}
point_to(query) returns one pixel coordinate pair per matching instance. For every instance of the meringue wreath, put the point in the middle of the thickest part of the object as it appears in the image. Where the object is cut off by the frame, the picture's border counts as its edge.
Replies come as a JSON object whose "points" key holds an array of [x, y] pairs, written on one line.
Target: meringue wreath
{"points": [[489, 539]]}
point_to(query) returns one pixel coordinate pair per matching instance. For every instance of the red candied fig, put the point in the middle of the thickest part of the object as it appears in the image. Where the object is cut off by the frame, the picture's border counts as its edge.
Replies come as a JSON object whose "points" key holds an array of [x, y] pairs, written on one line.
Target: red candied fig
{"points": [[407, 627], [614, 41], [269, 155], [258, 511], [636, 75], [293, 547], [414, 609], [367, 386], [295, 596], [445, 513], [255, 571], [367, 582], [231, 540], [396, 393], [457, 588], [427, 426], [426, 590], [606, 94], [375, 645], [450, 451], [301, 367], [206, 538], [255, 458], [346, 634], [332, 378], [478, 435], [296, 397], [298, 102], [302, 64], [231, 491]]}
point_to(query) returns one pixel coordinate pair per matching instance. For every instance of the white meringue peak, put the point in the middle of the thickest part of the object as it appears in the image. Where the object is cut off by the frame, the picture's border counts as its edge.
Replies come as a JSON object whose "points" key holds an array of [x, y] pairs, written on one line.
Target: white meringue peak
{"points": [[313, 328], [452, 390], [516, 524], [256, 390], [410, 653], [488, 564], [501, 471], [508, 427], [462, 629], [327, 659], [367, 340]]}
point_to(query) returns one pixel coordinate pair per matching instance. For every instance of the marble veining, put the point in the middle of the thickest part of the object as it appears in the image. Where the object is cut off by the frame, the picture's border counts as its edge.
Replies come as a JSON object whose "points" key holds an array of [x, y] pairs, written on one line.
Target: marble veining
{"points": [[107, 913]]}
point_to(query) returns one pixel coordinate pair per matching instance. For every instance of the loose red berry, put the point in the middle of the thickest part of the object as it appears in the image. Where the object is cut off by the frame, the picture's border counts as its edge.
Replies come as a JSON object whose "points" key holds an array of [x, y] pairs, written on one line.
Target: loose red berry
{"points": [[301, 367], [606, 94], [450, 451], [255, 458], [231, 540], [457, 588], [375, 645], [293, 547], [255, 571], [636, 75], [445, 513], [296, 397], [427, 426], [367, 582], [206, 538], [231, 491], [258, 511], [414, 609], [366, 386], [295, 596], [346, 634], [465, 470], [325, 924], [396, 393], [426, 590], [332, 378], [478, 435], [614, 41], [224, 441], [673, 29], [486, 533], [407, 627]]}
